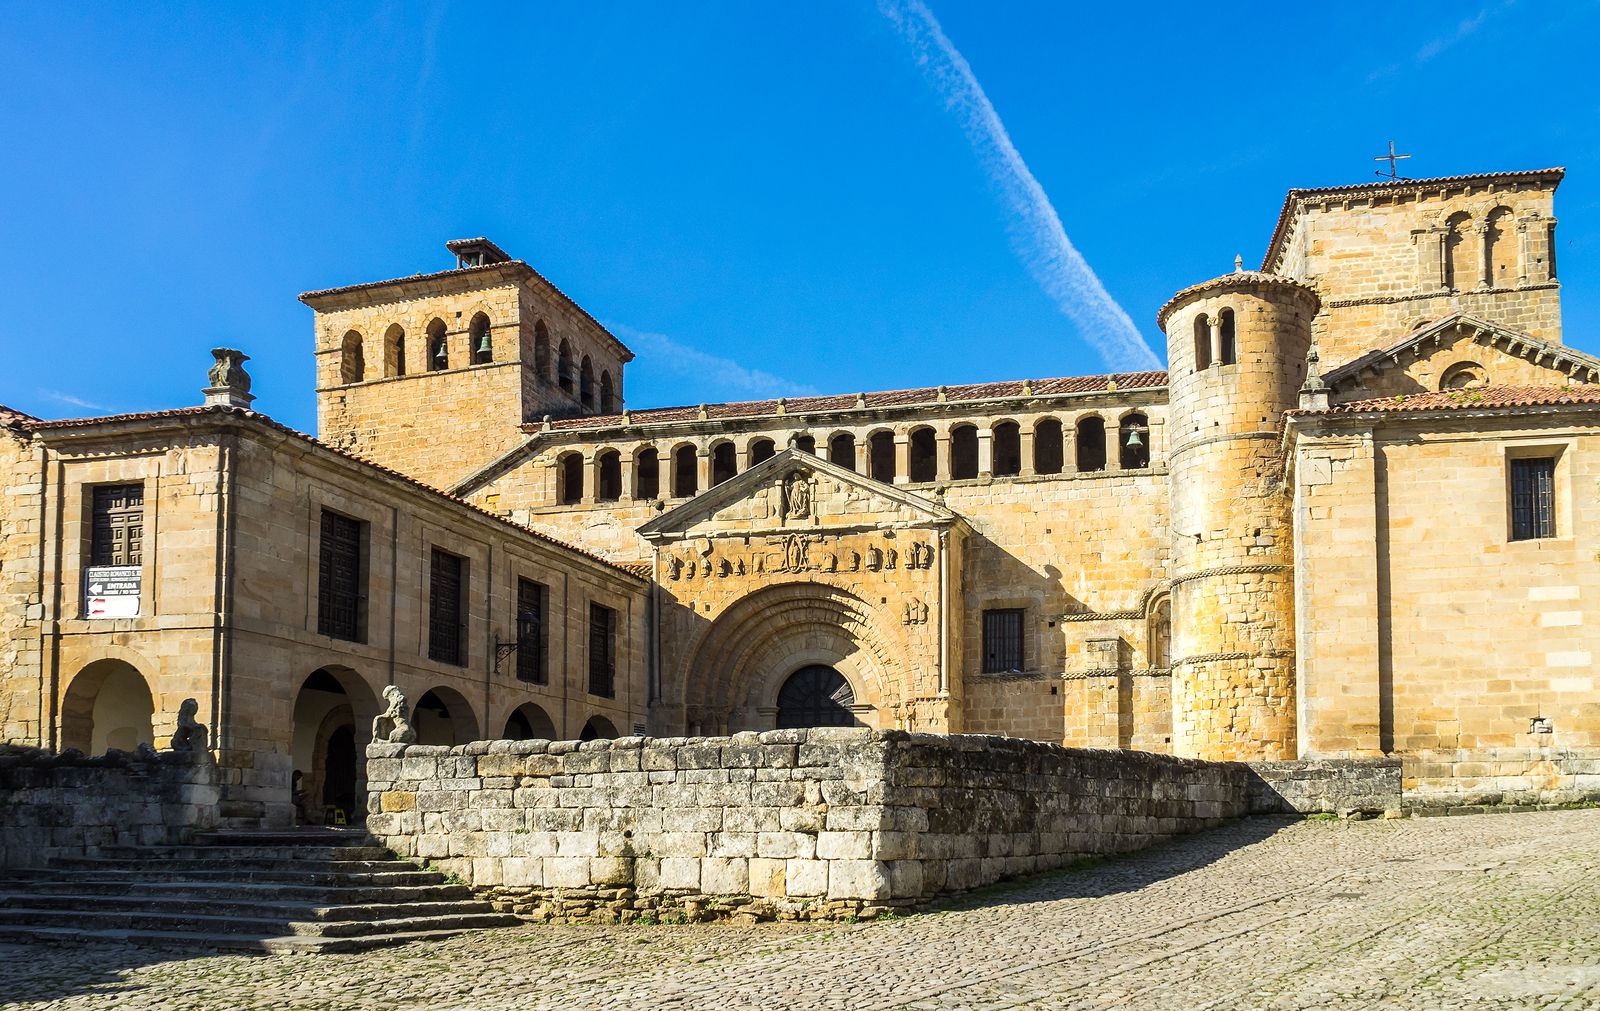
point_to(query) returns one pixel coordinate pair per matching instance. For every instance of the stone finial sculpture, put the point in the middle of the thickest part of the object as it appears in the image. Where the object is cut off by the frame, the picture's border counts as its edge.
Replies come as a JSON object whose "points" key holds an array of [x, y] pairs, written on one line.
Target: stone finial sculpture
{"points": [[230, 383], [191, 734], [393, 725]]}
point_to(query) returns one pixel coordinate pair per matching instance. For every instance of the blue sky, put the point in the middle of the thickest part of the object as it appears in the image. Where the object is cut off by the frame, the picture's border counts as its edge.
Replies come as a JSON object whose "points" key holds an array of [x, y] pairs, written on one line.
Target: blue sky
{"points": [[760, 198]]}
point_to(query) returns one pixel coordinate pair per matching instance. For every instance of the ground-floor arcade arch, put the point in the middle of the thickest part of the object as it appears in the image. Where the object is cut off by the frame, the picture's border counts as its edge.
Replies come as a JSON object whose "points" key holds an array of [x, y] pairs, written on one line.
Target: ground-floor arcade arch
{"points": [[442, 716], [529, 722], [108, 705], [333, 712]]}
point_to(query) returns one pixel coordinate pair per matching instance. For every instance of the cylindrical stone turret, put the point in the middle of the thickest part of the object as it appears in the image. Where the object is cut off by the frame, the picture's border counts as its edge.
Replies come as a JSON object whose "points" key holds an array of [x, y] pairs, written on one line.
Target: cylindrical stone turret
{"points": [[1236, 351]]}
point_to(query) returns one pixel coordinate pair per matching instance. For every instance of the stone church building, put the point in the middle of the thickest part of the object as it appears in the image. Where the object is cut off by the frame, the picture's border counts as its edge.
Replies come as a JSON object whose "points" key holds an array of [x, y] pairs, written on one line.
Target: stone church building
{"points": [[1357, 517]]}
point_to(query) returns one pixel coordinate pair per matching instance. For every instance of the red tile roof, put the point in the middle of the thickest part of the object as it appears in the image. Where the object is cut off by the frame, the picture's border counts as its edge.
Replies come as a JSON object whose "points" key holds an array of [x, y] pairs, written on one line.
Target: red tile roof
{"points": [[189, 412], [887, 398], [10, 418], [1238, 277], [1479, 398], [1394, 186]]}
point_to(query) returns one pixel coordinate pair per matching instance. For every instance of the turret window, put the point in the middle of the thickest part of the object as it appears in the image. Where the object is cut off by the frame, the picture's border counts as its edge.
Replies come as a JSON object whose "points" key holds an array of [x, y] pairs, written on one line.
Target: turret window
{"points": [[566, 374], [394, 351], [1133, 441], [1230, 346], [482, 343], [352, 362], [608, 394], [1091, 444], [586, 383], [438, 347], [1202, 342]]}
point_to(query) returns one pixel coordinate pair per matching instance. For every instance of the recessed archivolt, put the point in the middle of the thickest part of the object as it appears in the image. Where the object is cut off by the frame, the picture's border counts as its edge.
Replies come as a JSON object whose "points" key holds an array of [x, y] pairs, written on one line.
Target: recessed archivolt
{"points": [[762, 632]]}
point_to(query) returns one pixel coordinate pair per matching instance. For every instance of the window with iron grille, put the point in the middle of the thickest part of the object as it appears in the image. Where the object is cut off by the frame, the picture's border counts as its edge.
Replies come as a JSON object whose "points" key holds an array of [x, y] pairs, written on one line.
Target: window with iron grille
{"points": [[339, 596], [116, 525], [1533, 498], [1002, 640], [444, 608], [602, 651], [531, 600]]}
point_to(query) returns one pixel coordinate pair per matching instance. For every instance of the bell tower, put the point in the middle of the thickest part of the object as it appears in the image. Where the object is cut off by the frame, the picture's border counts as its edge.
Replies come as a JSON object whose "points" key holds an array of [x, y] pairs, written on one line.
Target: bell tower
{"points": [[435, 374], [1236, 350]]}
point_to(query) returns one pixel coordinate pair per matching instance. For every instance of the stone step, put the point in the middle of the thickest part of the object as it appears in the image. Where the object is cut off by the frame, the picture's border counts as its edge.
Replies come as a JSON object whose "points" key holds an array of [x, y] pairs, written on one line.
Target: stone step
{"points": [[146, 865], [287, 837], [185, 891], [190, 940], [230, 905], [185, 921], [179, 874], [338, 854]]}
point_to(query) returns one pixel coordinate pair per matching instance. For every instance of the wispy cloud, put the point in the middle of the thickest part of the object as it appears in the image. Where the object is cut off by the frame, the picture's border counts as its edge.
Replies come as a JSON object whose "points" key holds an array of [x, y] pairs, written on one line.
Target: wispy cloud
{"points": [[1433, 47], [708, 371], [71, 401], [1041, 242]]}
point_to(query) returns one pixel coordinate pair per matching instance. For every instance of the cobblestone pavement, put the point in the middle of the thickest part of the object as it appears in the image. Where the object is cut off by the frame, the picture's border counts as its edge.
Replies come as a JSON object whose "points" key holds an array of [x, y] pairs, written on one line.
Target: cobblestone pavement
{"points": [[1482, 912]]}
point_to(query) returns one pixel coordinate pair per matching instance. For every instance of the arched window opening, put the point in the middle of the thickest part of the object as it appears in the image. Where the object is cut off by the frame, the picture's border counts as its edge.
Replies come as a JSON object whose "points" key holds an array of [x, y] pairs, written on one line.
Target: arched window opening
{"points": [[1007, 449], [1161, 634], [482, 343], [724, 462], [394, 351], [806, 444], [1091, 444], [598, 729], [608, 477], [571, 479], [761, 449], [1230, 348], [541, 351], [685, 472], [1048, 447], [964, 452], [566, 375], [586, 383], [1133, 440], [1458, 259], [1202, 342], [1499, 249], [842, 450], [438, 346], [608, 394], [880, 457], [1463, 376], [529, 722], [816, 696], [107, 706], [352, 363], [647, 474], [923, 456]]}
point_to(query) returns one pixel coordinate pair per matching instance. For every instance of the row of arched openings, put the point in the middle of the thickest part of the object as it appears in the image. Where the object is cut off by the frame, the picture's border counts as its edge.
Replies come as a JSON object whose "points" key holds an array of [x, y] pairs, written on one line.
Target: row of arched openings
{"points": [[679, 474], [573, 375], [1216, 340], [1483, 256], [353, 366]]}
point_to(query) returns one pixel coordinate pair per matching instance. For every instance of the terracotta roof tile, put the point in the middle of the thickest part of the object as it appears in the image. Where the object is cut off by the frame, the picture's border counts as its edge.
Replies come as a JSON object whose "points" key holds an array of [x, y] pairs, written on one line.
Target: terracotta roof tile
{"points": [[187, 412], [1227, 280], [10, 418], [1479, 398], [886, 398]]}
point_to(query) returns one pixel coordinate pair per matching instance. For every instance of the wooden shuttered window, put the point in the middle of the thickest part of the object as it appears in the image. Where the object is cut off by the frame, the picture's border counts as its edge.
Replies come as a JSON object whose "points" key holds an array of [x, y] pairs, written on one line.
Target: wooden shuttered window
{"points": [[116, 525], [339, 581], [444, 608], [532, 602], [1533, 498], [1002, 641], [602, 651]]}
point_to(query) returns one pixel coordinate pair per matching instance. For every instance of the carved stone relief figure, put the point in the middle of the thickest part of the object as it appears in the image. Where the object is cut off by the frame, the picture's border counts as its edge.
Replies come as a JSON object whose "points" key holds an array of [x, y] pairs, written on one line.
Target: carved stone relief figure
{"points": [[796, 496], [874, 559], [891, 558]]}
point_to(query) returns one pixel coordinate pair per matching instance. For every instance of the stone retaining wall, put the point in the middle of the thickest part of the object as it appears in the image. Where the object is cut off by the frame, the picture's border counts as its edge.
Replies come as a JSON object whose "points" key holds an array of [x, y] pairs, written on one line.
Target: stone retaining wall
{"points": [[67, 804], [1342, 786], [802, 824]]}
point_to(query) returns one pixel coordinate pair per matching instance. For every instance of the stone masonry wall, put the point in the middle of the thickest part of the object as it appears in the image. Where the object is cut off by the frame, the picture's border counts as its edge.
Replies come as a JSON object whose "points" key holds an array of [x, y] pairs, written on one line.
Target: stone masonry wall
{"points": [[796, 824], [56, 805]]}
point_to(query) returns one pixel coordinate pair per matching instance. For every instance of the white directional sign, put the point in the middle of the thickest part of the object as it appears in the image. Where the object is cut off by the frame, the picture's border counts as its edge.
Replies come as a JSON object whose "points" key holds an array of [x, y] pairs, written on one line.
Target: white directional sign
{"points": [[112, 591]]}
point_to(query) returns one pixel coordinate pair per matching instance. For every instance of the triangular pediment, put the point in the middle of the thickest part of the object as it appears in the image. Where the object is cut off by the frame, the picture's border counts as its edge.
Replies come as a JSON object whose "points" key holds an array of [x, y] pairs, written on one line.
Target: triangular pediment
{"points": [[1456, 352], [797, 492]]}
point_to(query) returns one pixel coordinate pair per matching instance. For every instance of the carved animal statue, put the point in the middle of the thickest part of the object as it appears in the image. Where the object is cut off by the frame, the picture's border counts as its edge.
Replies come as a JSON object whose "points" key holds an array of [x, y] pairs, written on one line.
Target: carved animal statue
{"points": [[191, 734], [394, 723]]}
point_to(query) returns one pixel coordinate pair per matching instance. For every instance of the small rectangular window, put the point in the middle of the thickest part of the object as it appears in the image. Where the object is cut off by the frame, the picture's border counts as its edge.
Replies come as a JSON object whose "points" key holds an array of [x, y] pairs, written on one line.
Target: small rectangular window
{"points": [[116, 525], [602, 651], [340, 594], [531, 603], [1533, 498], [444, 608], [1002, 641]]}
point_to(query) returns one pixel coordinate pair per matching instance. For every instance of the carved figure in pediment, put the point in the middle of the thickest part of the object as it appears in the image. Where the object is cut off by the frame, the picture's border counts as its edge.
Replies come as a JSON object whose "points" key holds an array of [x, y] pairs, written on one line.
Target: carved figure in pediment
{"points": [[725, 568], [740, 567], [674, 568], [921, 556], [831, 563], [796, 496], [916, 613], [891, 558], [795, 552], [874, 559], [855, 561]]}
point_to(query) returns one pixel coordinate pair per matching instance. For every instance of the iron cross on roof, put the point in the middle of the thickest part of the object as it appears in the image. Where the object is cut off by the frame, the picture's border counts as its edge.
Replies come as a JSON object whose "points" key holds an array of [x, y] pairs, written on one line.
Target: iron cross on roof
{"points": [[1392, 159]]}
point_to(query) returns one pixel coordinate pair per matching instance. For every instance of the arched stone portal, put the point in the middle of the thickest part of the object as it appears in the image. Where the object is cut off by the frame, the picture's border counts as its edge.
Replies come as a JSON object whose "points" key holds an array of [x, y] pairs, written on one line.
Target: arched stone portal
{"points": [[333, 713], [108, 705], [816, 696], [736, 669]]}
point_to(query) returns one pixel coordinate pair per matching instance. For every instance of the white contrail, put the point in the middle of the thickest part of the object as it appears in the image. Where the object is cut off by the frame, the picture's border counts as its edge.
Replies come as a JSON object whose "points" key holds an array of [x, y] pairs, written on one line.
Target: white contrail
{"points": [[1041, 242]]}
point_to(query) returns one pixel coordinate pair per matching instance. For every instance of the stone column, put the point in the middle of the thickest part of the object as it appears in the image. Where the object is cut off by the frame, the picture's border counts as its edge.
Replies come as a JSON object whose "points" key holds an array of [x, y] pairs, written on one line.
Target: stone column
{"points": [[1025, 437], [591, 477], [985, 452], [702, 469], [1483, 230], [1069, 445], [902, 458], [1114, 440], [627, 477], [1214, 328], [863, 456], [941, 454], [1430, 258]]}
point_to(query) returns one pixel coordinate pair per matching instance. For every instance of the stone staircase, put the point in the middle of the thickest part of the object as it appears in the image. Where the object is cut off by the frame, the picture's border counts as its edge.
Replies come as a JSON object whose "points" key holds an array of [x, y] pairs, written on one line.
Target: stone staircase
{"points": [[306, 890]]}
